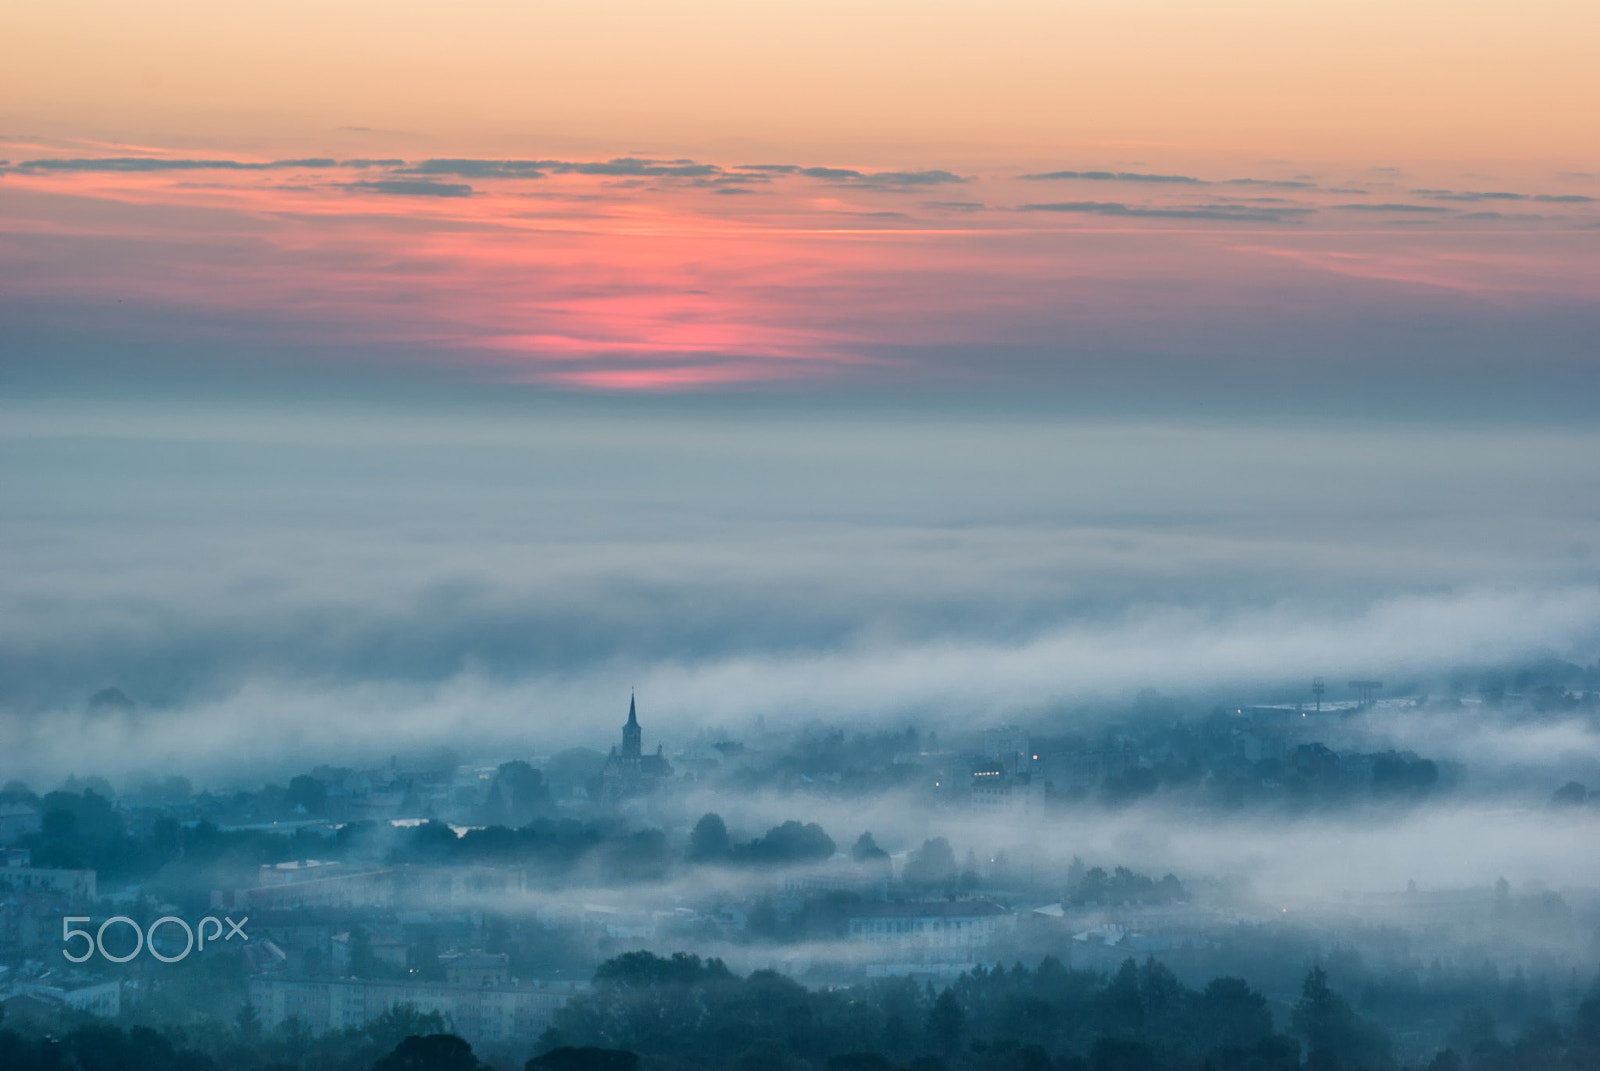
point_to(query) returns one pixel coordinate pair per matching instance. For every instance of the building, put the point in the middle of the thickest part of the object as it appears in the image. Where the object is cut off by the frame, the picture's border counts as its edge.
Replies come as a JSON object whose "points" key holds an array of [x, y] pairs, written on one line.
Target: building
{"points": [[1008, 746], [476, 968], [42, 995], [17, 820], [927, 924], [309, 883], [482, 1013], [383, 945], [868, 880], [630, 772], [995, 788], [78, 886]]}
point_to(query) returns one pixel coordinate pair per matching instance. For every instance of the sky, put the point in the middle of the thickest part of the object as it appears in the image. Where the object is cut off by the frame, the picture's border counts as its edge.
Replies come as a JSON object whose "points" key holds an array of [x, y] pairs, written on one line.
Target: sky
{"points": [[460, 366], [1248, 198]]}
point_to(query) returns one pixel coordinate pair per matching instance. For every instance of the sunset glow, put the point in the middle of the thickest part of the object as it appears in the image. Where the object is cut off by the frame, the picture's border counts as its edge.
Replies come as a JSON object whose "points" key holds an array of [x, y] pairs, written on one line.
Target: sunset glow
{"points": [[662, 196]]}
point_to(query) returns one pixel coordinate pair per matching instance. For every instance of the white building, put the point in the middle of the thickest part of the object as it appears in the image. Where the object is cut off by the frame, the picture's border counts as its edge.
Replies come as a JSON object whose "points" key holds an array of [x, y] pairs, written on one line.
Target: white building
{"points": [[76, 885], [935, 924], [102, 998]]}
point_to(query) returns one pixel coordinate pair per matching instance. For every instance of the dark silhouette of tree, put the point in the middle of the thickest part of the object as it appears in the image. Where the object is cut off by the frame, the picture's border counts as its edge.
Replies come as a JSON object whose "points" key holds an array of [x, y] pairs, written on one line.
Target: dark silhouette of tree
{"points": [[403, 1021], [1228, 1014], [931, 866], [99, 1047], [1445, 1060], [791, 842], [859, 1061], [1337, 1039], [247, 1022], [1571, 794], [1121, 1054], [946, 1020], [585, 1058], [709, 841], [517, 795], [432, 1052], [866, 850], [307, 792], [1121, 1006]]}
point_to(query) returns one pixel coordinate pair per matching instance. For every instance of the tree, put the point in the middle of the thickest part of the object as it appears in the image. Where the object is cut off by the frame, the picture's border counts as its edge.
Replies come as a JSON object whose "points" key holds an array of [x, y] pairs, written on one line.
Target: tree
{"points": [[517, 795], [946, 1020], [403, 1021], [1571, 794], [709, 841], [641, 856], [1337, 1038], [790, 843], [933, 865], [247, 1022], [1121, 1054], [1160, 993], [308, 792], [866, 850], [586, 1058], [432, 1052], [969, 873], [859, 1061], [1122, 1005], [1228, 1013]]}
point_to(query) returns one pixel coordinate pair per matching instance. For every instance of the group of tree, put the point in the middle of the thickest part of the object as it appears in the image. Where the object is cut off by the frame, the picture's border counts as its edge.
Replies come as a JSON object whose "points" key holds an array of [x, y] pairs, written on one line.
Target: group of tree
{"points": [[786, 844], [401, 1039], [682, 1012], [646, 1012], [84, 830], [1092, 885]]}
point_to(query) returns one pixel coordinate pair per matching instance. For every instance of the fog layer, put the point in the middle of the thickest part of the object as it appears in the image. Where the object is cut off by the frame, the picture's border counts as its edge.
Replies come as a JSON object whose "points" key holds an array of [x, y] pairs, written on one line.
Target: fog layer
{"points": [[272, 585]]}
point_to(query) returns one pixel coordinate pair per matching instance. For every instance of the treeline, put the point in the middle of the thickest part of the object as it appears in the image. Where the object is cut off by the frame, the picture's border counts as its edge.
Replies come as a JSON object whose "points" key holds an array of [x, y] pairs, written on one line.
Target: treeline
{"points": [[681, 1013], [684, 1012], [93, 1045], [1092, 885], [82, 830]]}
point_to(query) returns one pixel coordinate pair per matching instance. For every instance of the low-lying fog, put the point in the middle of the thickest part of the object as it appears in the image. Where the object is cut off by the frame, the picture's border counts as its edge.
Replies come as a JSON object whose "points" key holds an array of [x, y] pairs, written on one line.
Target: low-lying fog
{"points": [[279, 586], [275, 589]]}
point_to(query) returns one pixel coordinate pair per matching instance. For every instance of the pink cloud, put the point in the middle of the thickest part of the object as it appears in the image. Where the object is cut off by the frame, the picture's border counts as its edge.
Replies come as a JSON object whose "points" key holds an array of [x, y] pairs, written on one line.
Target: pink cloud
{"points": [[660, 283]]}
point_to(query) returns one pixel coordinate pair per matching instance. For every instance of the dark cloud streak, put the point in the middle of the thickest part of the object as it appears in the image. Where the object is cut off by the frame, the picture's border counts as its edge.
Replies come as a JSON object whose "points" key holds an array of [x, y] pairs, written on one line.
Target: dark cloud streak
{"points": [[1209, 212], [1116, 176], [144, 163], [403, 188]]}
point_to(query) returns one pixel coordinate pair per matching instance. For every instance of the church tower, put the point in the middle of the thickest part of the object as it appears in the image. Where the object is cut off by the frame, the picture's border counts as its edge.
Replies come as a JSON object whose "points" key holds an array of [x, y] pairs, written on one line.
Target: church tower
{"points": [[631, 748], [630, 772]]}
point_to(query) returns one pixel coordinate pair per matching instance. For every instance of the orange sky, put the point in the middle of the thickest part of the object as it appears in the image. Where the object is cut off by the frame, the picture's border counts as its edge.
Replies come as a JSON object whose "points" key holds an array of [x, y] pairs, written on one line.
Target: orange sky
{"points": [[1511, 85], [1228, 179]]}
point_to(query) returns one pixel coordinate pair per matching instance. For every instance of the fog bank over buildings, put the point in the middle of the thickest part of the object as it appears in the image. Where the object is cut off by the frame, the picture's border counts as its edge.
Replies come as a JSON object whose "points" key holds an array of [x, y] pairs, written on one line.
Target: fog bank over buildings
{"points": [[379, 578]]}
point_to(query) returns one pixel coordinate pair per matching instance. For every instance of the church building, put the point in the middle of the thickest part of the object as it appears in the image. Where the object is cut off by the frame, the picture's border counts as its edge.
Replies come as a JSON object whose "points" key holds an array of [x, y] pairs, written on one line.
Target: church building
{"points": [[630, 772]]}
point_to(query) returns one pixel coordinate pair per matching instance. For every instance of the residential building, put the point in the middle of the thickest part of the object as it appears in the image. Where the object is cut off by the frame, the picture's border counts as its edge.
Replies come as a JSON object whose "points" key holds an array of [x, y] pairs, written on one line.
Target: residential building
{"points": [[927, 924]]}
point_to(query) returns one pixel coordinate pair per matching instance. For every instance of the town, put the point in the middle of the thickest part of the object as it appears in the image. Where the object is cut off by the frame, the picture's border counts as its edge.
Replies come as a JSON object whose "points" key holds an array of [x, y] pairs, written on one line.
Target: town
{"points": [[487, 895]]}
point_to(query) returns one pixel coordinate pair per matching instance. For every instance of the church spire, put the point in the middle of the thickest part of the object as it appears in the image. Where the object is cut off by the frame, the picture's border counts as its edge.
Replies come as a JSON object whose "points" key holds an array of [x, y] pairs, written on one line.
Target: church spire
{"points": [[631, 735]]}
